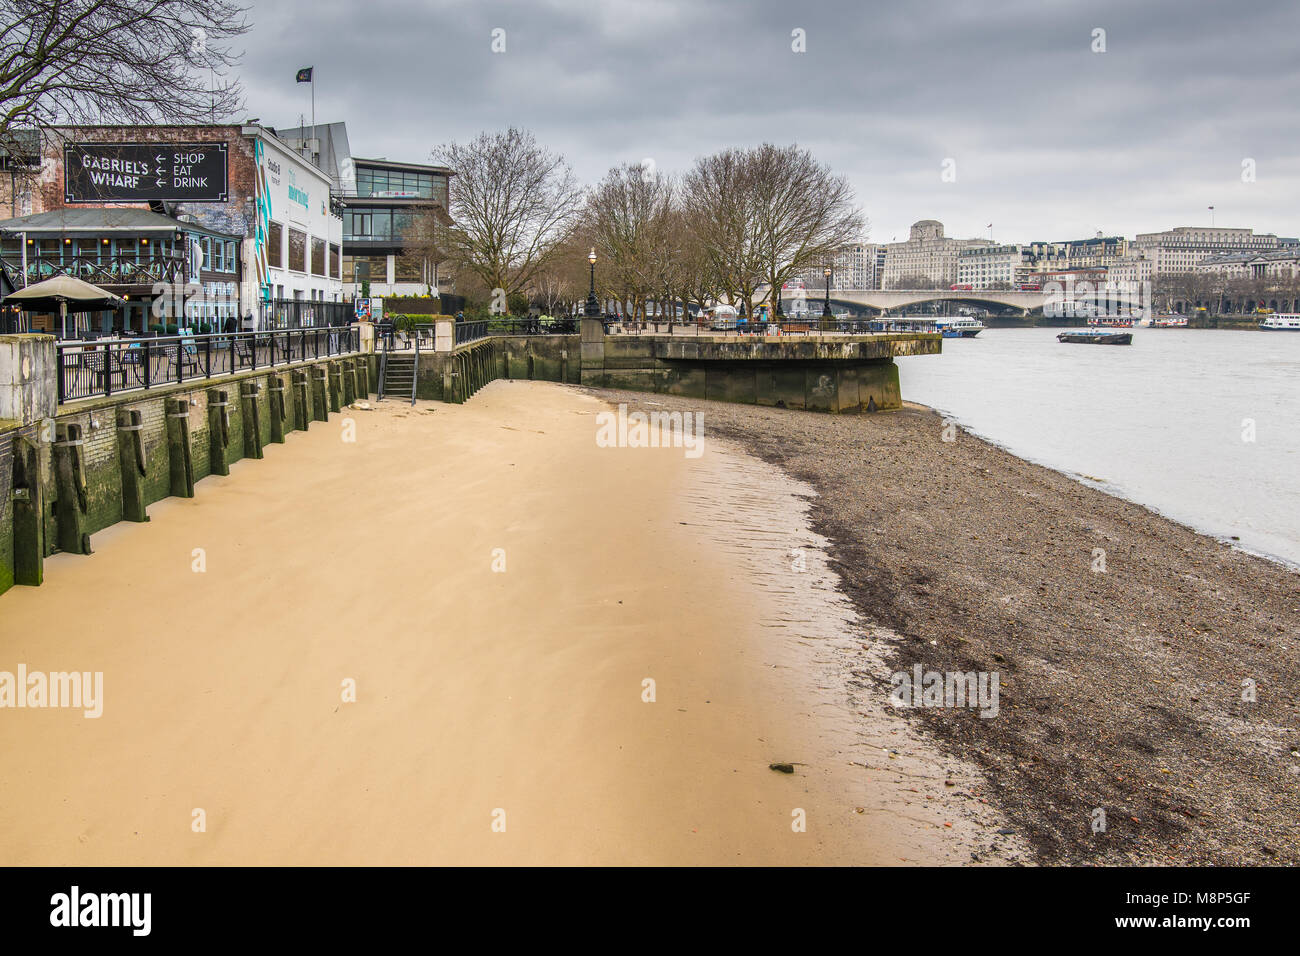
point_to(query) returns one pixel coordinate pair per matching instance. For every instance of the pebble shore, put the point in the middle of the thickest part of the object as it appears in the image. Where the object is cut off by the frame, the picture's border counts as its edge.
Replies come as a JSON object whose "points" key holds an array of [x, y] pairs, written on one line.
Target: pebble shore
{"points": [[1149, 705]]}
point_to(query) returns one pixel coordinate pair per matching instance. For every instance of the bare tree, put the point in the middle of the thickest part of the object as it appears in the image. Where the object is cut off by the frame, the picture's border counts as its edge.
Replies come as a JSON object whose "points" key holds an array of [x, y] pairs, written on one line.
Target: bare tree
{"points": [[804, 213], [629, 215], [131, 61], [719, 203], [513, 204], [424, 242]]}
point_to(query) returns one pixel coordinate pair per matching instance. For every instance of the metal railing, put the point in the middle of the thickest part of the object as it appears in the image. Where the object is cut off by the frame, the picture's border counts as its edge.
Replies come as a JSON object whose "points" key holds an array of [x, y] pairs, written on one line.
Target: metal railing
{"points": [[103, 270], [106, 366], [404, 340], [304, 313], [820, 324], [532, 326], [470, 332]]}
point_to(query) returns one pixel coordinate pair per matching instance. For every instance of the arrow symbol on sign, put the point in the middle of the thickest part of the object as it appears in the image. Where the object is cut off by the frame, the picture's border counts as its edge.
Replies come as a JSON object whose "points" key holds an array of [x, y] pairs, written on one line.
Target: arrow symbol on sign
{"points": [[158, 171], [160, 182], [159, 158]]}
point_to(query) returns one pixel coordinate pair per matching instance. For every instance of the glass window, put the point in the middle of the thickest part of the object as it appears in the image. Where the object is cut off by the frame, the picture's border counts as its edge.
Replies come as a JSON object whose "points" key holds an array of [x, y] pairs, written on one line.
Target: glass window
{"points": [[374, 268], [381, 223], [356, 225], [275, 245], [297, 251], [408, 269], [335, 264], [402, 224], [318, 257]]}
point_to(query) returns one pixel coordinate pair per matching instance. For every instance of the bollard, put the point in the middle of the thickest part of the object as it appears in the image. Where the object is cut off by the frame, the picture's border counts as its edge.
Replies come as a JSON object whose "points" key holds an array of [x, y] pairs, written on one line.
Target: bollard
{"points": [[300, 401], [248, 392], [70, 481], [335, 385], [180, 461], [28, 515], [278, 409], [218, 431], [134, 467], [349, 381], [319, 387]]}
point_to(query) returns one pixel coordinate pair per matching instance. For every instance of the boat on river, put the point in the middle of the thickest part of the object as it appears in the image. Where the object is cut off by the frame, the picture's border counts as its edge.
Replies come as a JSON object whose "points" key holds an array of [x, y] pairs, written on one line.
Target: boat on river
{"points": [[1280, 322], [963, 328], [1097, 336]]}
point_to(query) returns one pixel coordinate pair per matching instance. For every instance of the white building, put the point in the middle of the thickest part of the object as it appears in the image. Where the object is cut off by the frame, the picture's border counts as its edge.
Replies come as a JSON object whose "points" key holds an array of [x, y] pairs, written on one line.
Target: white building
{"points": [[1282, 263], [1181, 248], [984, 267], [297, 250], [927, 254], [854, 267]]}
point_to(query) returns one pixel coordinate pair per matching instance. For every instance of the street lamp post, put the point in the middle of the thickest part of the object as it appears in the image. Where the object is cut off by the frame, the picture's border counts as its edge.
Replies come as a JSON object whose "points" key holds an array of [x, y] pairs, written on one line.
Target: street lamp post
{"points": [[826, 309], [593, 307]]}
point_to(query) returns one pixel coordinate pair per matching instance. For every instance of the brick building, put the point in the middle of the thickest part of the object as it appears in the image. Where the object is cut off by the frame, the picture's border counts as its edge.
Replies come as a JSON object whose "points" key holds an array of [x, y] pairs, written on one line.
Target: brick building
{"points": [[285, 267]]}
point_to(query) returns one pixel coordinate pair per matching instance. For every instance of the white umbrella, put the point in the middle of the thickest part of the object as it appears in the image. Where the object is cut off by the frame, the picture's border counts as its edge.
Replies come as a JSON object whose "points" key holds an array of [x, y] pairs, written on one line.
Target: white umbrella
{"points": [[67, 294]]}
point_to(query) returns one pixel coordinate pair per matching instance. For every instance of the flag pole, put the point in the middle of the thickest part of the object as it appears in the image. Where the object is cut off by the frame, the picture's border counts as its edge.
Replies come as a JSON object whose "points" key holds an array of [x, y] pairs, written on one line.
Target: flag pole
{"points": [[313, 107]]}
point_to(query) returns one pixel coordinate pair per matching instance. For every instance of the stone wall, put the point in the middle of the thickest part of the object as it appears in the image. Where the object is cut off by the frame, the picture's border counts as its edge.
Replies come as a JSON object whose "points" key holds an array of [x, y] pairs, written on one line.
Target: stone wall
{"points": [[98, 461]]}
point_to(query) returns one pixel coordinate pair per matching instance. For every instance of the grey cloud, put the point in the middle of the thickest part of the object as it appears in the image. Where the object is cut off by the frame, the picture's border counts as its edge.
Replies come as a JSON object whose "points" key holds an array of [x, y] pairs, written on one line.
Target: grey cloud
{"points": [[1051, 140]]}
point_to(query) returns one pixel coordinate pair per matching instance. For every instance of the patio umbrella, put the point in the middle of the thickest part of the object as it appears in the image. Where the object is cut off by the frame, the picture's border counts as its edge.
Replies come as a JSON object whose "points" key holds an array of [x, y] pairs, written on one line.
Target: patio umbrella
{"points": [[63, 294]]}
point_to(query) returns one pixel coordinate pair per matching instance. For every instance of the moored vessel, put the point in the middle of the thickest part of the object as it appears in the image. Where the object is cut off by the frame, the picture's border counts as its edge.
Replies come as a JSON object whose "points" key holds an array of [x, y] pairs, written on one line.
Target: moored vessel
{"points": [[1097, 337], [1280, 322], [962, 328]]}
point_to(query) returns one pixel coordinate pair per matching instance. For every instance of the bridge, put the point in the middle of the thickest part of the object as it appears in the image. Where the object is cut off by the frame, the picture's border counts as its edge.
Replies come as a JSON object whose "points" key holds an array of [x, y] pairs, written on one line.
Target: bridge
{"points": [[888, 300]]}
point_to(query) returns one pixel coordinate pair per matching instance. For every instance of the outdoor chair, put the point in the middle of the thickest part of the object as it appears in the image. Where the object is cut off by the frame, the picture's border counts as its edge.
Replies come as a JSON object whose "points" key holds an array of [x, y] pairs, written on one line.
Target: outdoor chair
{"points": [[244, 354], [100, 369], [175, 354]]}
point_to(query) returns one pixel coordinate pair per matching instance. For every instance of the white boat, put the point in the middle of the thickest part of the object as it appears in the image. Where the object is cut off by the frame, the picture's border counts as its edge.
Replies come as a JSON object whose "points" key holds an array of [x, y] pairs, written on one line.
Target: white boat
{"points": [[963, 328], [1280, 322]]}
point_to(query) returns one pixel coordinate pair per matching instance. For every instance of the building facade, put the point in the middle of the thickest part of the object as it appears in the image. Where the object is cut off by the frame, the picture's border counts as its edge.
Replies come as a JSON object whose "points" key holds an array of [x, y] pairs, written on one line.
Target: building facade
{"points": [[1181, 248], [386, 207], [276, 208], [992, 267], [857, 266], [1282, 263], [927, 255]]}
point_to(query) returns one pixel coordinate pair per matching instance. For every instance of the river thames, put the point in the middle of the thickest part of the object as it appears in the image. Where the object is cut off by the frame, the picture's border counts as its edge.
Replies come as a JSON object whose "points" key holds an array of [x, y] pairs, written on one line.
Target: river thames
{"points": [[1202, 426]]}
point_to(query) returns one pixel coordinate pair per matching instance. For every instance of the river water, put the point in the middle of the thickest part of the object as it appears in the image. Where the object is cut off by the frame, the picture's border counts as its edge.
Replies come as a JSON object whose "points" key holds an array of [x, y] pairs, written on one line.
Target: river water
{"points": [[1201, 425]]}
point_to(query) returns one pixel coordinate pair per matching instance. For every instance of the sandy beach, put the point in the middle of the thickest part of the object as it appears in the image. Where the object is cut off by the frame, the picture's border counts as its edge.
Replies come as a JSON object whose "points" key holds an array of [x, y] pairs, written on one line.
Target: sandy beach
{"points": [[499, 714], [1149, 672]]}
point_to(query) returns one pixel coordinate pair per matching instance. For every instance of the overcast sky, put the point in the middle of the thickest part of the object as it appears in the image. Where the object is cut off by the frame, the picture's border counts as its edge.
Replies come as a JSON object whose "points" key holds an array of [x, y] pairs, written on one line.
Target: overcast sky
{"points": [[1049, 139]]}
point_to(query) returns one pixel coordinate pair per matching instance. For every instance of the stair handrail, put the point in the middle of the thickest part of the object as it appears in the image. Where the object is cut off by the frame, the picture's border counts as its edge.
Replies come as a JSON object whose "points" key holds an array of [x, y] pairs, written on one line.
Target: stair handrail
{"points": [[415, 369], [383, 369]]}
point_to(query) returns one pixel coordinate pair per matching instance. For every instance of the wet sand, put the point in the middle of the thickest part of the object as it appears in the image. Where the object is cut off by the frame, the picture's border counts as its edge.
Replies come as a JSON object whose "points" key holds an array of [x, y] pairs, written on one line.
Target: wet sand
{"points": [[477, 691], [1158, 687]]}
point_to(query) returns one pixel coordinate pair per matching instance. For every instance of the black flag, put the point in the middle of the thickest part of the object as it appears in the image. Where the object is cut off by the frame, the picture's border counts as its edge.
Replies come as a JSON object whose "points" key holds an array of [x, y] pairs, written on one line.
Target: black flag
{"points": [[304, 75]]}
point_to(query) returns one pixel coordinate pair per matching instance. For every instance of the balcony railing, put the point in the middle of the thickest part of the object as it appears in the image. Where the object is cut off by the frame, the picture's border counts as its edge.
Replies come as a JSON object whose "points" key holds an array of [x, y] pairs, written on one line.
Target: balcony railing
{"points": [[106, 366], [101, 270]]}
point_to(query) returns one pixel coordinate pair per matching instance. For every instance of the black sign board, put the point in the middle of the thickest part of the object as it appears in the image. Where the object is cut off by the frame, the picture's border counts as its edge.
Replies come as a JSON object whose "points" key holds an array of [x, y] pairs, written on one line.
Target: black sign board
{"points": [[140, 172]]}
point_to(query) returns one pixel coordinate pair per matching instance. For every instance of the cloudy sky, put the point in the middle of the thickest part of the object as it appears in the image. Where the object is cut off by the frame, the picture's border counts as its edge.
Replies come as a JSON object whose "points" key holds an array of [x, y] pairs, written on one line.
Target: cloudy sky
{"points": [[1048, 139]]}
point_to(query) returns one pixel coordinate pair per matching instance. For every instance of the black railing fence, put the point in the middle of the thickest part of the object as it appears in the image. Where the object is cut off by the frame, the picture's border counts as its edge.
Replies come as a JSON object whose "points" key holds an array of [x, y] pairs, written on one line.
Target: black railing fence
{"points": [[303, 314], [105, 366], [470, 332], [811, 324]]}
